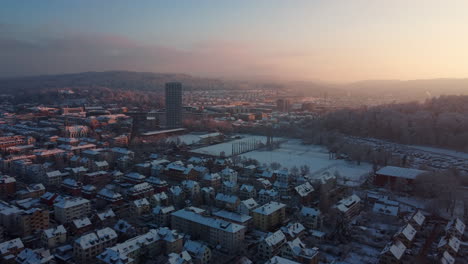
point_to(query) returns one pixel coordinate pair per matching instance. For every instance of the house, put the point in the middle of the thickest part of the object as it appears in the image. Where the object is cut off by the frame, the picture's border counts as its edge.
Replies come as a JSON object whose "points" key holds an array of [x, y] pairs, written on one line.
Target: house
{"points": [[293, 230], [87, 247], [211, 180], [406, 235], [417, 220], [229, 187], [265, 196], [140, 206], [28, 256], [271, 245], [229, 202], [159, 199], [200, 253], [227, 236], [105, 217], [446, 258], [140, 190], [179, 258], [109, 196], [228, 174], [298, 251], [349, 207], [280, 260], [71, 208], [247, 206], [304, 192], [449, 243], [247, 191], [10, 249], [81, 226], [455, 227], [162, 215], [158, 184], [54, 237], [311, 217], [392, 253]]}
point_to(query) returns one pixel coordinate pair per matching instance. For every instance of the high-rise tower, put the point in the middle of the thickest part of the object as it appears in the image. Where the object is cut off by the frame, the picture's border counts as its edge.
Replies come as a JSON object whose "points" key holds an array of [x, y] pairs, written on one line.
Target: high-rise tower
{"points": [[173, 105]]}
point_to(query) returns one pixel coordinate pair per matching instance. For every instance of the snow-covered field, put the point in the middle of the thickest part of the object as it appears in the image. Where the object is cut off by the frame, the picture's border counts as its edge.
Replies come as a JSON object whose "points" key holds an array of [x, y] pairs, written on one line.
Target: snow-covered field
{"points": [[293, 153]]}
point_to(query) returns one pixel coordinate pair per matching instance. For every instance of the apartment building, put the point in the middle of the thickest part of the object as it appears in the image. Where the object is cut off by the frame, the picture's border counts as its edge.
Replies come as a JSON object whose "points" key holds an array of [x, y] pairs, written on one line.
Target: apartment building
{"points": [[87, 247], [72, 208], [269, 216], [53, 237], [229, 236], [143, 247]]}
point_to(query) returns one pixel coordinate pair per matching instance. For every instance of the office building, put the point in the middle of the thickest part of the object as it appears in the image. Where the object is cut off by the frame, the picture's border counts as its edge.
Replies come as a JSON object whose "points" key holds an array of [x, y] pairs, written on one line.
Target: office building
{"points": [[173, 105]]}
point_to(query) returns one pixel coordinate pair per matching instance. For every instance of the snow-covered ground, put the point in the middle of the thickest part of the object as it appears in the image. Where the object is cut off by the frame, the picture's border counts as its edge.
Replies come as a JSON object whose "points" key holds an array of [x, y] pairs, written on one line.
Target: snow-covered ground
{"points": [[294, 153]]}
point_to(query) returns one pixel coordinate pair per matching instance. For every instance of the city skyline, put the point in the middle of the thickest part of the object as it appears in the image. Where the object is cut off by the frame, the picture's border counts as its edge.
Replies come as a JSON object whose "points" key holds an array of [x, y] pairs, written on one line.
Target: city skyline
{"points": [[307, 40]]}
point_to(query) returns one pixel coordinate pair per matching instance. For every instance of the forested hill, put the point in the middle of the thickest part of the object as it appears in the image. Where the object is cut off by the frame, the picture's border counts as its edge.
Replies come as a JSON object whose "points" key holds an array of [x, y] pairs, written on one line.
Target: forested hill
{"points": [[123, 80], [441, 122]]}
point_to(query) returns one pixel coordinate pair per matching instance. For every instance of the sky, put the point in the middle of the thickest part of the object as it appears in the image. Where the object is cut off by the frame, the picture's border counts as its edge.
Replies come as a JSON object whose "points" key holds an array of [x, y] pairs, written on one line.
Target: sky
{"points": [[329, 40]]}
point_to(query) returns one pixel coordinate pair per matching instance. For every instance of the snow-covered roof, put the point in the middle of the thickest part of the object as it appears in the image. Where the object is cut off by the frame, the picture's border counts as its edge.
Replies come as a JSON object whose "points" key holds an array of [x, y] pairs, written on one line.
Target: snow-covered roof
{"points": [[396, 248], [211, 176], [179, 258], [308, 211], [345, 204], [141, 202], [250, 203], [94, 238], [144, 186], [271, 192], [457, 225], [418, 218], [106, 215], [6, 179], [119, 253], [226, 198], [247, 188], [109, 194], [80, 223], [293, 229], [275, 239], [11, 244], [134, 176], [400, 172], [239, 218], [71, 202], [447, 258], [195, 248], [163, 209], [280, 260], [304, 189], [52, 232], [29, 256], [269, 208], [407, 231], [452, 241], [208, 221]]}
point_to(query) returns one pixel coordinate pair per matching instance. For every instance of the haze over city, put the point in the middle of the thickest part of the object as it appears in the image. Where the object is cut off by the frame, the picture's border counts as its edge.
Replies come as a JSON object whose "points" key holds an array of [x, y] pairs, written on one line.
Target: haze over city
{"points": [[338, 41]]}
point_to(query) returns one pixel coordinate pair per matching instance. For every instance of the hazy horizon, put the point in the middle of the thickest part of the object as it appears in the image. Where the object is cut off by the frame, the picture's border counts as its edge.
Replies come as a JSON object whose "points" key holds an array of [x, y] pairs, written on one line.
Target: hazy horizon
{"points": [[326, 41]]}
